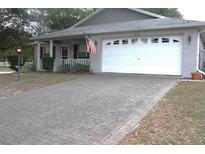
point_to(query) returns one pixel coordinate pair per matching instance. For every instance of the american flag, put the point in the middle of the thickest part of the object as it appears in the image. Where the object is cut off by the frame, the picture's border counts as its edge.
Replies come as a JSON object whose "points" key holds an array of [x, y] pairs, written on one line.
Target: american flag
{"points": [[90, 46]]}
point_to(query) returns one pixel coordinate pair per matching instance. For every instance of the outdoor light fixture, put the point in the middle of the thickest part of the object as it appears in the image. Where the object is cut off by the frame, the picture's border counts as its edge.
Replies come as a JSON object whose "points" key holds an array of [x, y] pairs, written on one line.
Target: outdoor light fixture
{"points": [[18, 50], [189, 39], [19, 59]]}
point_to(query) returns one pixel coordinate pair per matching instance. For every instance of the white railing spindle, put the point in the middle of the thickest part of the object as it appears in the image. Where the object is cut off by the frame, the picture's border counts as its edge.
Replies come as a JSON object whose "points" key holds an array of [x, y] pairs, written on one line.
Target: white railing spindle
{"points": [[71, 62]]}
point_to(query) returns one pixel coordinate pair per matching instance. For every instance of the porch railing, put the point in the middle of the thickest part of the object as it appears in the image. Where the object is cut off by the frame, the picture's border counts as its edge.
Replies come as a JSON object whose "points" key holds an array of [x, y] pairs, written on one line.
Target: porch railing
{"points": [[72, 63]]}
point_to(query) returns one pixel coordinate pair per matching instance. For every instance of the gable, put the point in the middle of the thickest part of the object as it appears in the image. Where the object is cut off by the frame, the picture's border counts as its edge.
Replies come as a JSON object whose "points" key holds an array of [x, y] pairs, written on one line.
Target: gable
{"points": [[115, 15]]}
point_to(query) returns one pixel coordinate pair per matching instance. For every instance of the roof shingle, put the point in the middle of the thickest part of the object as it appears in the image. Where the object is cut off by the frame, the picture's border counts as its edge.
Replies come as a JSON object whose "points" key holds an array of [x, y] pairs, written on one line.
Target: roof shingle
{"points": [[137, 25]]}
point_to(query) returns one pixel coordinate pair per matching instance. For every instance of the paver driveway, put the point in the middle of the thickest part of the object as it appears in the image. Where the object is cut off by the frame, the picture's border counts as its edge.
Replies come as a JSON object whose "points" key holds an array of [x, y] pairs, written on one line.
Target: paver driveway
{"points": [[82, 111]]}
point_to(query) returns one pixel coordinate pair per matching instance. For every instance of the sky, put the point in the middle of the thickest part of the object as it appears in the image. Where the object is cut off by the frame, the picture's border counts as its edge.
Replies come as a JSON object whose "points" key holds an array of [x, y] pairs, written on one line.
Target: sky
{"points": [[191, 9], [192, 14]]}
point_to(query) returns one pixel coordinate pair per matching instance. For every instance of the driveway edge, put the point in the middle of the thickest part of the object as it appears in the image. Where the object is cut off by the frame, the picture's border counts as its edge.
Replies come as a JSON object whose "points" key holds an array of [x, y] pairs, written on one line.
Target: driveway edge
{"points": [[120, 133]]}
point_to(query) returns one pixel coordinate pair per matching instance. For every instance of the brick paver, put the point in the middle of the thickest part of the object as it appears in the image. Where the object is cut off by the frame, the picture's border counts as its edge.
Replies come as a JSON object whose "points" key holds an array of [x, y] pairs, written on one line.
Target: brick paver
{"points": [[87, 110]]}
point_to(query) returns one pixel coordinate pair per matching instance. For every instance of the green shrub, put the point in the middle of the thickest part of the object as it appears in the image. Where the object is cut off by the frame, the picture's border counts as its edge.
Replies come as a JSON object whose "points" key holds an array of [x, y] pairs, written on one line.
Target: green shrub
{"points": [[48, 63], [63, 68], [82, 68], [13, 61], [28, 68]]}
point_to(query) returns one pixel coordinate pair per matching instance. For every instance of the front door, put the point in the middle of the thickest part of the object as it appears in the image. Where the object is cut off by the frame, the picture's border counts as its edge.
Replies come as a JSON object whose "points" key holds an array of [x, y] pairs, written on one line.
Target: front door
{"points": [[75, 50]]}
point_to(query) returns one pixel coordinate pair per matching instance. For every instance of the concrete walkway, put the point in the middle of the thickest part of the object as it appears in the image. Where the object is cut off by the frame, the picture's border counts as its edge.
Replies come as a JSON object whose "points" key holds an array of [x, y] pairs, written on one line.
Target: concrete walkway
{"points": [[87, 110], [7, 72]]}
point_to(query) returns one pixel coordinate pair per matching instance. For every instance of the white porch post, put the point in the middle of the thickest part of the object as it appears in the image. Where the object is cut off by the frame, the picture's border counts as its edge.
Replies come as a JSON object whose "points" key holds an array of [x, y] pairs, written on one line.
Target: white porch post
{"points": [[51, 48], [38, 56]]}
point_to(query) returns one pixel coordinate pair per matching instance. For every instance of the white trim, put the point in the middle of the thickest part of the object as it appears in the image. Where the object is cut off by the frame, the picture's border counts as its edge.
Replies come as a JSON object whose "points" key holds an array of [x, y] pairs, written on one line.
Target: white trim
{"points": [[198, 49], [38, 56], [51, 48], [147, 13]]}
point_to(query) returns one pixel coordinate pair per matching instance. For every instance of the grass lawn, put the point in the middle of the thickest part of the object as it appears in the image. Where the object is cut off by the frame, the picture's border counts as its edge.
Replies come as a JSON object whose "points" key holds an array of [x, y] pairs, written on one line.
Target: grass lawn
{"points": [[179, 118], [30, 81]]}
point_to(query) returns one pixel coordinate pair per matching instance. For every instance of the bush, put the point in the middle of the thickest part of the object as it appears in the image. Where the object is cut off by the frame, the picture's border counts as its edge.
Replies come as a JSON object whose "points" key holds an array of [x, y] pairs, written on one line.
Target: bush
{"points": [[28, 68], [13, 61], [82, 68], [63, 68], [48, 63]]}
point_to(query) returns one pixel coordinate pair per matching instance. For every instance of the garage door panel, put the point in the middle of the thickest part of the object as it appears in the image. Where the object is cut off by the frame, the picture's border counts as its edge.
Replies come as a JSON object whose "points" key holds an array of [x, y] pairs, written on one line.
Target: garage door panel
{"points": [[169, 70], [149, 58]]}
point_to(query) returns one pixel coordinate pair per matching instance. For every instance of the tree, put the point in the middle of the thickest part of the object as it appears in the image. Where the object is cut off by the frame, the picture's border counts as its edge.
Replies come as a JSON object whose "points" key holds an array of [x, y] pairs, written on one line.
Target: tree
{"points": [[59, 19], [49, 20], [13, 18], [17, 26], [167, 12], [38, 21], [13, 25]]}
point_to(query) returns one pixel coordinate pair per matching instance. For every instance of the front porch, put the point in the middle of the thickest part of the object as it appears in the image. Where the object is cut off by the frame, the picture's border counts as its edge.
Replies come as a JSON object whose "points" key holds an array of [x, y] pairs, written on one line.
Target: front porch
{"points": [[70, 53]]}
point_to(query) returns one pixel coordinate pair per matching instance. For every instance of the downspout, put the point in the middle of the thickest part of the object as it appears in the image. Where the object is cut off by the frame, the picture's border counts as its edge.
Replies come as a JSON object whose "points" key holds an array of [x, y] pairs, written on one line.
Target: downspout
{"points": [[198, 50]]}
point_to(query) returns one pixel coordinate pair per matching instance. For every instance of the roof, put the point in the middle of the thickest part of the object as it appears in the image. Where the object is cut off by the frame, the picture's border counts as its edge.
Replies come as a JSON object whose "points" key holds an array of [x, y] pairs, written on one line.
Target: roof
{"points": [[100, 10], [137, 25], [147, 13]]}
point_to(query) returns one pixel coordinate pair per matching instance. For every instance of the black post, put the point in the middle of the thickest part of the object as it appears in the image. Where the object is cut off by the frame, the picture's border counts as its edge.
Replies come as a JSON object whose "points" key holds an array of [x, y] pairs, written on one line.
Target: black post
{"points": [[19, 58]]}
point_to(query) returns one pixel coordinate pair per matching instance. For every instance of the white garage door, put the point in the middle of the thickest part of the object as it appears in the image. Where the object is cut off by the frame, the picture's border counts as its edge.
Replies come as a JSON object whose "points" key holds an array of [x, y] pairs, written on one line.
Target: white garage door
{"points": [[145, 55]]}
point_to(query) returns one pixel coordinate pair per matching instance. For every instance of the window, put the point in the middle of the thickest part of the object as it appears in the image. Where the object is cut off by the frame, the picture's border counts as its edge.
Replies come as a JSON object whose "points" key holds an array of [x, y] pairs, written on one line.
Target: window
{"points": [[46, 55], [54, 52], [165, 40], [64, 51], [42, 52], [125, 41], [109, 43], [154, 40], [175, 41], [82, 54], [134, 40], [144, 40], [116, 42]]}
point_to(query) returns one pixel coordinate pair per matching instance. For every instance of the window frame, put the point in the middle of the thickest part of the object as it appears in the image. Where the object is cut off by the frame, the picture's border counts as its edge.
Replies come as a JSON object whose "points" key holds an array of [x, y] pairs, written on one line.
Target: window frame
{"points": [[166, 41], [154, 40], [108, 43], [86, 56], [114, 42], [125, 41], [144, 40], [134, 40], [54, 51], [64, 57], [42, 51], [176, 41]]}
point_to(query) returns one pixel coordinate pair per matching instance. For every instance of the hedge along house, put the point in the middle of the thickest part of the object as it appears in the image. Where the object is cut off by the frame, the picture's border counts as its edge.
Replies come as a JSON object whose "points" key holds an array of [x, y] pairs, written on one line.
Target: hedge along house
{"points": [[128, 41]]}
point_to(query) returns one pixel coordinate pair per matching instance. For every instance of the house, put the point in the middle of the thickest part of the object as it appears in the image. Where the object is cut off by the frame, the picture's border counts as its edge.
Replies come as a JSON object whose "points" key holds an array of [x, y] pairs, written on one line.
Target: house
{"points": [[128, 41]]}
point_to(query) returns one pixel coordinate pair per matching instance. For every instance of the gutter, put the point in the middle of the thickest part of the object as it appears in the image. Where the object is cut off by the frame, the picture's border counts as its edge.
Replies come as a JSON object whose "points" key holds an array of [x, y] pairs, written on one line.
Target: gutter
{"points": [[198, 49]]}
